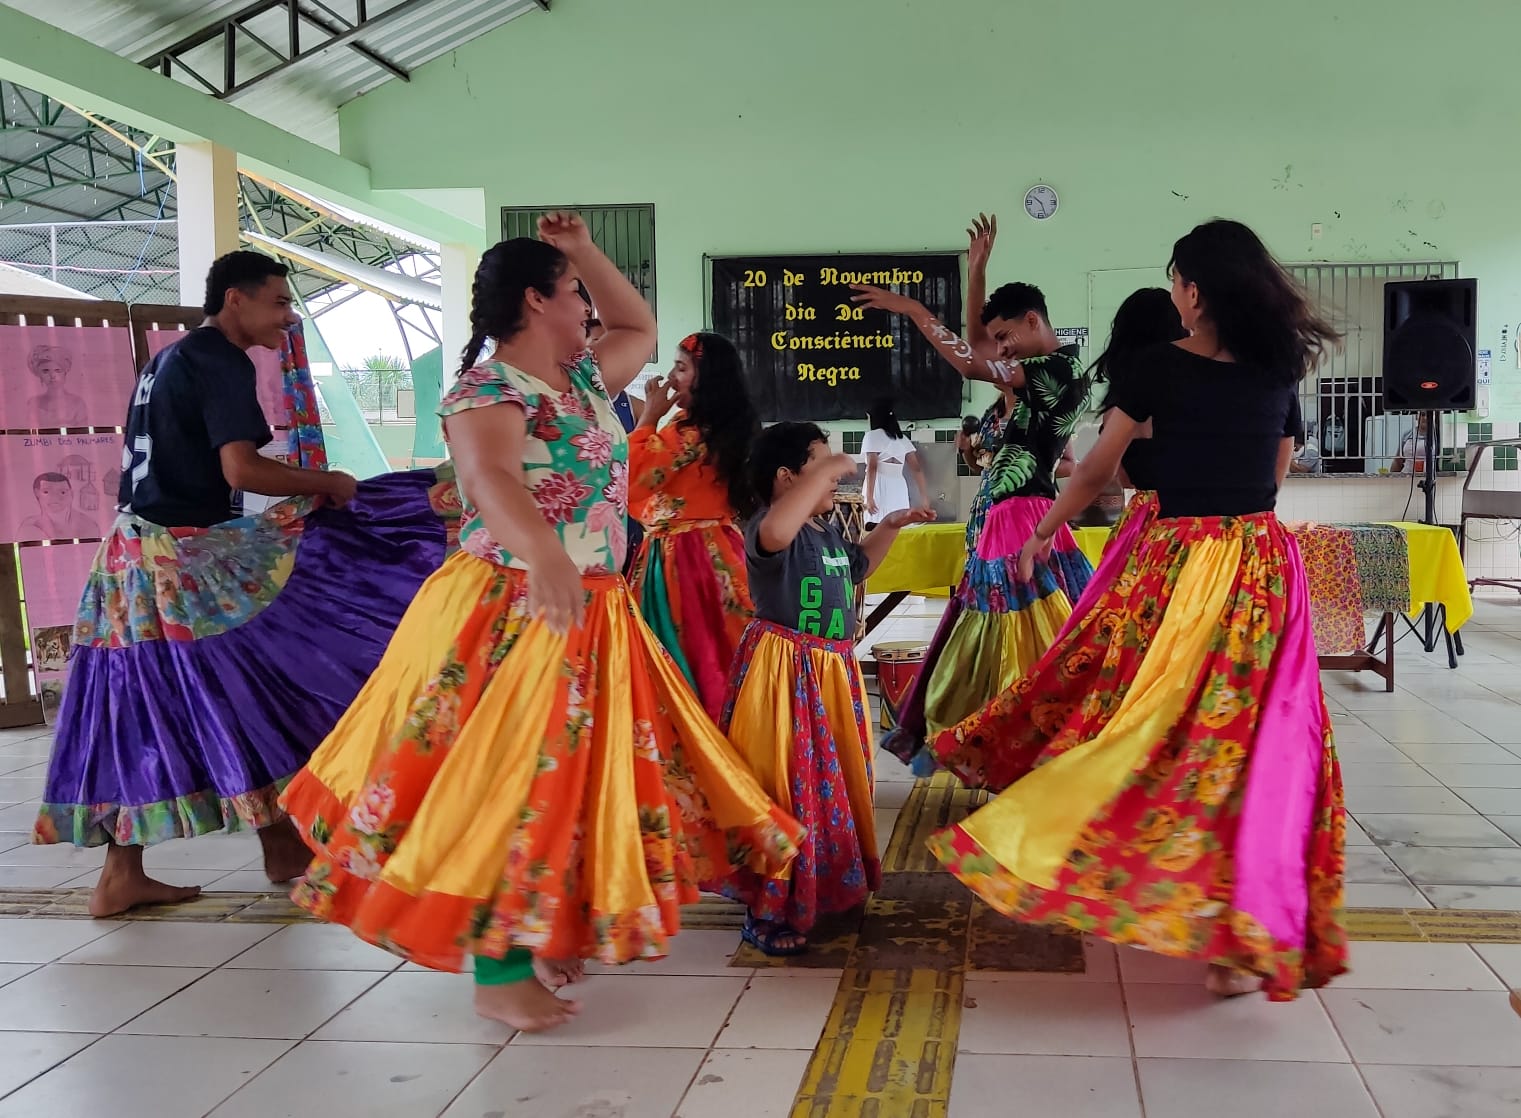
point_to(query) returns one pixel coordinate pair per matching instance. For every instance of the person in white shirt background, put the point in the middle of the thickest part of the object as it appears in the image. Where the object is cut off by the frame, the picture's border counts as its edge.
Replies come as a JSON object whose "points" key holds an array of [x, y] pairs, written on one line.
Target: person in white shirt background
{"points": [[1412, 453], [1306, 458], [889, 455]]}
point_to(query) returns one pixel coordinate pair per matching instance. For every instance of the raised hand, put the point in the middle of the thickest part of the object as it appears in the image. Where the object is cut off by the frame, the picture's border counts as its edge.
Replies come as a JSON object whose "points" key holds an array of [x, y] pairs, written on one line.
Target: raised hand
{"points": [[659, 399], [981, 234], [566, 231]]}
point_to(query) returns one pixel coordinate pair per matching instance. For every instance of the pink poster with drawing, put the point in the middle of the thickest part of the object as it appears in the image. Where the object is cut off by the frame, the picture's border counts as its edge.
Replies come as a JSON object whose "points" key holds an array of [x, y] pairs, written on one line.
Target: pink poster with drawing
{"points": [[64, 376], [270, 382], [58, 487], [52, 579]]}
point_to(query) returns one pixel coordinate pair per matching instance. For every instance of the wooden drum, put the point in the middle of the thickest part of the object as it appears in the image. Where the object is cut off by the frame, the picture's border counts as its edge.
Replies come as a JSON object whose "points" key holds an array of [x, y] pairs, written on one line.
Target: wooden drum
{"points": [[898, 662]]}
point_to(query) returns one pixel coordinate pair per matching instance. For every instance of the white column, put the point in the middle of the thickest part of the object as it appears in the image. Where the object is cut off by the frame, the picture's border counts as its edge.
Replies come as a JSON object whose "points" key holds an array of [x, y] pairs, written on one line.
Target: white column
{"points": [[207, 200], [457, 262]]}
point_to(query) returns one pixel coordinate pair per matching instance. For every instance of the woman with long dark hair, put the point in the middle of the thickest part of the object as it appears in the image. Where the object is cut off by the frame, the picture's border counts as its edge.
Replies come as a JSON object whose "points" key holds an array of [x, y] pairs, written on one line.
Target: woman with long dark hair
{"points": [[1166, 772], [687, 486], [526, 778], [1145, 319], [890, 455]]}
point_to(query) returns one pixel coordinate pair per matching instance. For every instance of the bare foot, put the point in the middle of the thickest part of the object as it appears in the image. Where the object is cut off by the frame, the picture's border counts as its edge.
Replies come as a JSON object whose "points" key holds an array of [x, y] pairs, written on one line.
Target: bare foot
{"points": [[1515, 1000], [124, 885], [286, 857], [1224, 982], [525, 1006], [558, 973]]}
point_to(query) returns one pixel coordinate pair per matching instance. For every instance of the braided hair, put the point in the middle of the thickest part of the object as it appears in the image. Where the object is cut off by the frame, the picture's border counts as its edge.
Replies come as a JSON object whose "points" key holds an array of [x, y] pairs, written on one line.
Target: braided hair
{"points": [[507, 272], [722, 413]]}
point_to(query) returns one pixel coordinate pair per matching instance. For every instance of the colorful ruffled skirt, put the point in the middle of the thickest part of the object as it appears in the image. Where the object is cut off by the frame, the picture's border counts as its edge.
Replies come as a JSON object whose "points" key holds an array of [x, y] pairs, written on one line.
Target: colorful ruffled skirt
{"points": [[1166, 774], [497, 785], [209, 662], [995, 628], [797, 710], [691, 586]]}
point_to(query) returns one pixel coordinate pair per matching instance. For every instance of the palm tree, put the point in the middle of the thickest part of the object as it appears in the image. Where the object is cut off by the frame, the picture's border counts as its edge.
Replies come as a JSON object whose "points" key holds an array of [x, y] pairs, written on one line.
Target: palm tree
{"points": [[387, 374]]}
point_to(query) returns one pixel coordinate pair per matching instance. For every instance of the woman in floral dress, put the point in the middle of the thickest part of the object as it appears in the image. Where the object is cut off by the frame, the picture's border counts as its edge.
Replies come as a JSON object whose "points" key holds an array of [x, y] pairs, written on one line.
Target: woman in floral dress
{"points": [[686, 487], [527, 778], [1167, 772]]}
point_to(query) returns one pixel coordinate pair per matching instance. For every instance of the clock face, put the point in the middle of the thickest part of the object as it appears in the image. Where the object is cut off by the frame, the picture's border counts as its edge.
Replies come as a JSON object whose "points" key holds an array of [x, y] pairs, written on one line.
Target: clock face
{"points": [[1040, 202]]}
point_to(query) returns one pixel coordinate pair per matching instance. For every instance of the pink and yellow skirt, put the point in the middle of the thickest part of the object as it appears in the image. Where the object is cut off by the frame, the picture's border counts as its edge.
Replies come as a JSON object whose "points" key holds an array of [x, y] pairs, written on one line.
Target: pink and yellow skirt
{"points": [[1166, 773]]}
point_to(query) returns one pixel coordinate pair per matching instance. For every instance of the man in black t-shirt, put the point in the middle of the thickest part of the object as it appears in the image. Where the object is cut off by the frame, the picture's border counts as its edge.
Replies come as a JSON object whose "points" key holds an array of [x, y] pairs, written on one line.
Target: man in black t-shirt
{"points": [[193, 434], [195, 426]]}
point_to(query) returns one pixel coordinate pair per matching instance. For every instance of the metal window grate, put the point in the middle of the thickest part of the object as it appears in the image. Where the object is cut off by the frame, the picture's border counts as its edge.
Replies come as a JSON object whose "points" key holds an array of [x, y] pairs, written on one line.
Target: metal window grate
{"points": [[851, 441], [625, 232], [1343, 399]]}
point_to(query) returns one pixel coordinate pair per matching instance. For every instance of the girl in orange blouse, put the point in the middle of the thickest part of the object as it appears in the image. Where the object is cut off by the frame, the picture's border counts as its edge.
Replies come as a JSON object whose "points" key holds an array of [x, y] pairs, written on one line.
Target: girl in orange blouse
{"points": [[686, 486]]}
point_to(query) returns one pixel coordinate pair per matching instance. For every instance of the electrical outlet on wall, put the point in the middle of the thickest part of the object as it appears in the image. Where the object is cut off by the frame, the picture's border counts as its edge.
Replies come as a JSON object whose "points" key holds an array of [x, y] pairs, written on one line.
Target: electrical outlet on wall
{"points": [[1317, 231]]}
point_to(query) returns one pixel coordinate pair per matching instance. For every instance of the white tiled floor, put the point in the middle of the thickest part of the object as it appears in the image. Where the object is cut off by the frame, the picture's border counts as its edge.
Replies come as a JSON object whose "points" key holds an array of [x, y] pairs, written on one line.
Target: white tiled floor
{"points": [[165, 1019]]}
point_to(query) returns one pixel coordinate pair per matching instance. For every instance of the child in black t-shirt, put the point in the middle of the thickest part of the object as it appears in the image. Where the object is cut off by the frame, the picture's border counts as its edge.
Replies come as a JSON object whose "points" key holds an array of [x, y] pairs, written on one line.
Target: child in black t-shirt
{"points": [[797, 705]]}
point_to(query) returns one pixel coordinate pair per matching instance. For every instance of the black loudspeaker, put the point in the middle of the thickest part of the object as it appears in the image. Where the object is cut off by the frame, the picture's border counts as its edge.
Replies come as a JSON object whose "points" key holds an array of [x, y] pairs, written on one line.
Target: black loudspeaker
{"points": [[1429, 345]]}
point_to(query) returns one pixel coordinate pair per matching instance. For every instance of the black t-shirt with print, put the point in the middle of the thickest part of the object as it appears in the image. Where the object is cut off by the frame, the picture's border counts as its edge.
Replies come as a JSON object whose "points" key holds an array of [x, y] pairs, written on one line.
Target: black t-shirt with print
{"points": [[191, 400], [1217, 429], [810, 585], [1051, 404]]}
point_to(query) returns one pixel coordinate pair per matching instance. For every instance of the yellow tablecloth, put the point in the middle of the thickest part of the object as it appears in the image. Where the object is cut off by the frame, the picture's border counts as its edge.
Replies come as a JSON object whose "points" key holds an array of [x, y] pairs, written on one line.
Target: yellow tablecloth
{"points": [[1436, 572], [924, 559], [1090, 542], [1436, 568], [928, 558]]}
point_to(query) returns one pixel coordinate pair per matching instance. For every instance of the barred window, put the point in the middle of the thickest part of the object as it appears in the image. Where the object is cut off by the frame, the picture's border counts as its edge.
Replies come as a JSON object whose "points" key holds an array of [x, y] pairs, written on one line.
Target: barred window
{"points": [[626, 233]]}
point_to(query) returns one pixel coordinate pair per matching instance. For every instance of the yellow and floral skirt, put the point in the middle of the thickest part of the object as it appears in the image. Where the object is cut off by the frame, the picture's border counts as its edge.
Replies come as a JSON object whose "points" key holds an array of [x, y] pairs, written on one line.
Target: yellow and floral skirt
{"points": [[499, 785], [1166, 773]]}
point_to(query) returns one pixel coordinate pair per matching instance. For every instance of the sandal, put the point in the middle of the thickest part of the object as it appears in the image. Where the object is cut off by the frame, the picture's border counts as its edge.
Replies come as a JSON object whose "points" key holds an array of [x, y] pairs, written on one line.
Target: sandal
{"points": [[763, 935]]}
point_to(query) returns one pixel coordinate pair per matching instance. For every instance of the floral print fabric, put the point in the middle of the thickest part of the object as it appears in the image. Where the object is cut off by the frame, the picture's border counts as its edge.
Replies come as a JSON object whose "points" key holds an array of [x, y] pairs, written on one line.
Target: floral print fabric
{"points": [[575, 461]]}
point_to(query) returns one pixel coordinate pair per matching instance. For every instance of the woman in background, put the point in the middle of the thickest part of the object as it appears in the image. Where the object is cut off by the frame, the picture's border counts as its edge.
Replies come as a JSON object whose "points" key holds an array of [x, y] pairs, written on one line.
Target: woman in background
{"points": [[687, 487], [890, 454]]}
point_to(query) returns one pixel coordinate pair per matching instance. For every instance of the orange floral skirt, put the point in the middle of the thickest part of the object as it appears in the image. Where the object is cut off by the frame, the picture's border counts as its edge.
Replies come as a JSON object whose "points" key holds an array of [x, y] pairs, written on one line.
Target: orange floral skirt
{"points": [[496, 785]]}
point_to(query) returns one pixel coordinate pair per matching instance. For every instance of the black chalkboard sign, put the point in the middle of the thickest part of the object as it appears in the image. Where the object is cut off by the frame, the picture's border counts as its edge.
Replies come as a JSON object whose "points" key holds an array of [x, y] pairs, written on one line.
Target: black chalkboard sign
{"points": [[810, 353]]}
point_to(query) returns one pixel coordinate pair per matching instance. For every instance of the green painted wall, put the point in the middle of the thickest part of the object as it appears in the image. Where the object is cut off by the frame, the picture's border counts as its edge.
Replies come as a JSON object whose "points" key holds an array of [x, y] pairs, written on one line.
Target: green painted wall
{"points": [[883, 124]]}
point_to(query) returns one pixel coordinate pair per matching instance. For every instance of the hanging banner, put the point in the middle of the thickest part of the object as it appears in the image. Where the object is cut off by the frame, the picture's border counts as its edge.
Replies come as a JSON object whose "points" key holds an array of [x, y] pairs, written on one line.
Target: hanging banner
{"points": [[54, 377]]}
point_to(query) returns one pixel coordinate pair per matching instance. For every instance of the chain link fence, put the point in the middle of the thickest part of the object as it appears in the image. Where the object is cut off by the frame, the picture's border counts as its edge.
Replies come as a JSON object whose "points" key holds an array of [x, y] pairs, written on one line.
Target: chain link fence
{"points": [[125, 261]]}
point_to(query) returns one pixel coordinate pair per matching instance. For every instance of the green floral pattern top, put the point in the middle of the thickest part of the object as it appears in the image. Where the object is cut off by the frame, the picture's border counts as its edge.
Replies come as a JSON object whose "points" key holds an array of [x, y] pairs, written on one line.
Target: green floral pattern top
{"points": [[1051, 404], [575, 462]]}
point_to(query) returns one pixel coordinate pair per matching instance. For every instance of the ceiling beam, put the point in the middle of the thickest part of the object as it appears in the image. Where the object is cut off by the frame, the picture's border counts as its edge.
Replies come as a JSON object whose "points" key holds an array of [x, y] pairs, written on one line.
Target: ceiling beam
{"points": [[300, 15], [35, 54]]}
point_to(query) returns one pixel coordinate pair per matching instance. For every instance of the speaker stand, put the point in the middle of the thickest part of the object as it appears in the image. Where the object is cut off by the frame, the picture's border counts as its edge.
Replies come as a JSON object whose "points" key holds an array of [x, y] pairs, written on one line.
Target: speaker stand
{"points": [[1434, 617]]}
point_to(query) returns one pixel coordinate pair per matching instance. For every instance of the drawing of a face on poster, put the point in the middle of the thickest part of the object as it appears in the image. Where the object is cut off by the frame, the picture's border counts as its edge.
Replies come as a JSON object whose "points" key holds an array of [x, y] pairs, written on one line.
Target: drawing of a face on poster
{"points": [[54, 405], [50, 486], [54, 377]]}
